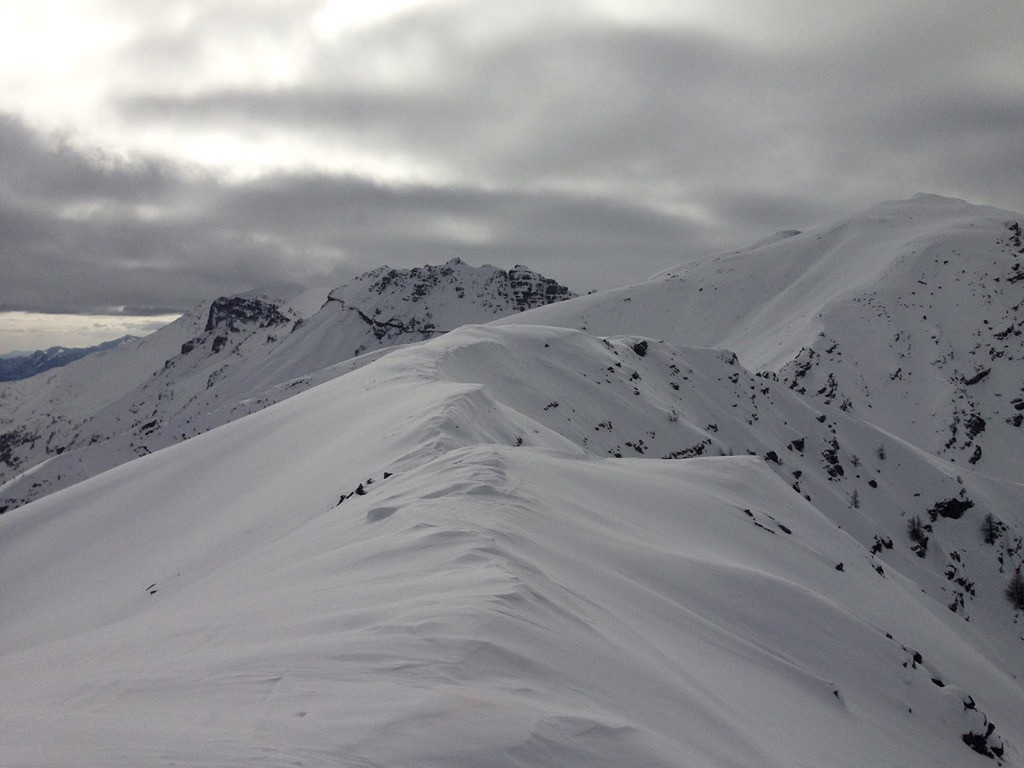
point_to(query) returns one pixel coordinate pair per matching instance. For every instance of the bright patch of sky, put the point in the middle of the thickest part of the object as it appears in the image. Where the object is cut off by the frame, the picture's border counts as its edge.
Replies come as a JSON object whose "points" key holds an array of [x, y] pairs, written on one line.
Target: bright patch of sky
{"points": [[29, 331]]}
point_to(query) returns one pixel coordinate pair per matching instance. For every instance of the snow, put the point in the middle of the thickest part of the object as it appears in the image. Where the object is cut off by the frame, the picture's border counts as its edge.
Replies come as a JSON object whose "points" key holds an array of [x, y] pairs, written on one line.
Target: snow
{"points": [[234, 355], [486, 603], [894, 307], [577, 537]]}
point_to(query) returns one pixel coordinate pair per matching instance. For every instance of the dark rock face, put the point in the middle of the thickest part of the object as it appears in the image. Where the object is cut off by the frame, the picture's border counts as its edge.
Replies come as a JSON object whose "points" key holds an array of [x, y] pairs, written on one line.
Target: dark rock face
{"points": [[987, 743], [398, 303], [830, 457], [974, 426], [229, 318], [233, 315], [972, 380], [228, 312], [384, 328], [519, 289], [531, 289], [11, 441], [950, 508]]}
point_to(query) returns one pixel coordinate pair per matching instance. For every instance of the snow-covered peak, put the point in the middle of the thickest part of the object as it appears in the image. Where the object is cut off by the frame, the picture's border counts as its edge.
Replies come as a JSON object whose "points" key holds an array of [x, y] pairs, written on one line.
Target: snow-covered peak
{"points": [[931, 198], [400, 305], [908, 314], [230, 312], [488, 287], [249, 350]]}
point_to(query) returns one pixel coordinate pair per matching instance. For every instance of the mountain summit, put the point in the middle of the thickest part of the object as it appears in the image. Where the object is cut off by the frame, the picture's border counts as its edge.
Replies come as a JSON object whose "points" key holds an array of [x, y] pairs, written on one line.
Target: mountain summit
{"points": [[908, 314]]}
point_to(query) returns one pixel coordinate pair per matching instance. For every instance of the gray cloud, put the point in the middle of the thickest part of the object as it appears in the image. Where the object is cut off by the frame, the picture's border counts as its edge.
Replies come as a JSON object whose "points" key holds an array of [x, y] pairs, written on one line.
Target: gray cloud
{"points": [[285, 232], [669, 114], [592, 149], [51, 169]]}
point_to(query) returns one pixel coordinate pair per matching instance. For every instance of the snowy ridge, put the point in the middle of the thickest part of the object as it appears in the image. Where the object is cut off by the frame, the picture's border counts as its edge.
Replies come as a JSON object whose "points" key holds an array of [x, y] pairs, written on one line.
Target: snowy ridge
{"points": [[908, 315], [579, 536], [451, 580], [629, 397], [243, 353]]}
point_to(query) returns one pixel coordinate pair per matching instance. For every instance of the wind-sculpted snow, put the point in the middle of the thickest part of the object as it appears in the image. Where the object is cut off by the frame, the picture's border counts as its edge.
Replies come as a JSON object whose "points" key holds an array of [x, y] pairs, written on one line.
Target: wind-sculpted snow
{"points": [[629, 397], [397, 539], [437, 559]]}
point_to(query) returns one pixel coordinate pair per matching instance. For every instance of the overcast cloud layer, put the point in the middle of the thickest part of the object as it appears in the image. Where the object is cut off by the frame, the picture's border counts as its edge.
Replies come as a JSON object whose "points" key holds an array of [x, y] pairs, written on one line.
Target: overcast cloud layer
{"points": [[158, 153]]}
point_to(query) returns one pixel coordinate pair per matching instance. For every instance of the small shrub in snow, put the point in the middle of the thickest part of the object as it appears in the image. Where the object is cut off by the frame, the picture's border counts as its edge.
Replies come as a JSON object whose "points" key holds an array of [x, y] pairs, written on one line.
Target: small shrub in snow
{"points": [[990, 529], [917, 534], [1015, 591]]}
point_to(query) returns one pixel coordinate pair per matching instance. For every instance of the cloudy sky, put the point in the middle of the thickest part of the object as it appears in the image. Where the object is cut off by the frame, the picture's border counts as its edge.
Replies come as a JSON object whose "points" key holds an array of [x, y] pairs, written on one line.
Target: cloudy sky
{"points": [[154, 153]]}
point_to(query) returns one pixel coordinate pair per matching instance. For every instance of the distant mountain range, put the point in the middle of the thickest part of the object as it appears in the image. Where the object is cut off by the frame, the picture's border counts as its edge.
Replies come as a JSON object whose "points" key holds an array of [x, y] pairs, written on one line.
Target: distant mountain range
{"points": [[22, 365], [764, 508]]}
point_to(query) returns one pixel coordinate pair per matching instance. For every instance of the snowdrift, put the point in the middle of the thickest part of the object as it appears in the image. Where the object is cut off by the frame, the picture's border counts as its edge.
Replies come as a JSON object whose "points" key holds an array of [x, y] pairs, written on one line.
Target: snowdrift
{"points": [[422, 562]]}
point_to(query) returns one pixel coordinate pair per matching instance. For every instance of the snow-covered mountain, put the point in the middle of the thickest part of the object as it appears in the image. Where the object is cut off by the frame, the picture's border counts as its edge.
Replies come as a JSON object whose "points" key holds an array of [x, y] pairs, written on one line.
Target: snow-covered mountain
{"points": [[22, 365], [230, 357], [42, 416], [575, 536], [909, 315], [46, 415], [428, 561]]}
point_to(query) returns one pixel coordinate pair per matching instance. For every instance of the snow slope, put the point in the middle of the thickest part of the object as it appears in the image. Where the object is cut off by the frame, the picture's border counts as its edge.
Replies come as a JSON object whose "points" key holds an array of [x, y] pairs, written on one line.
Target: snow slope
{"points": [[22, 365], [909, 315], [49, 414], [232, 356], [423, 562], [44, 414]]}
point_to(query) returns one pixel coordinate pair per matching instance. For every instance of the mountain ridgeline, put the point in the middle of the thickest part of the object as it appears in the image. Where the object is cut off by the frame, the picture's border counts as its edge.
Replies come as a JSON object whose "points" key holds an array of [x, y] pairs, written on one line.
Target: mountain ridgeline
{"points": [[908, 315], [398, 306], [230, 356], [761, 509]]}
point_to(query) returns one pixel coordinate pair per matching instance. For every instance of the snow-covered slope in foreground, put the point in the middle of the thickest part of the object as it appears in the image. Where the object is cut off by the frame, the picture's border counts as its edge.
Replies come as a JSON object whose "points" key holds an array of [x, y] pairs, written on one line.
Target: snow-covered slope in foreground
{"points": [[398, 567]]}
